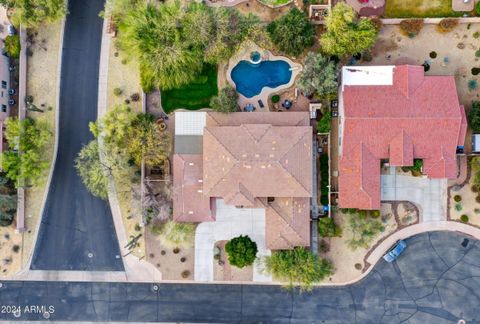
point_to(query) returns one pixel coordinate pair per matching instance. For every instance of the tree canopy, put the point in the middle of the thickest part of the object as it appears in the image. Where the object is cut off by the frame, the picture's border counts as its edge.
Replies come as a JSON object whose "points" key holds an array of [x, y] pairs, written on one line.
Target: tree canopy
{"points": [[32, 13], [93, 172], [292, 33], [173, 41], [226, 101], [319, 76], [241, 251], [346, 33], [297, 267], [25, 162]]}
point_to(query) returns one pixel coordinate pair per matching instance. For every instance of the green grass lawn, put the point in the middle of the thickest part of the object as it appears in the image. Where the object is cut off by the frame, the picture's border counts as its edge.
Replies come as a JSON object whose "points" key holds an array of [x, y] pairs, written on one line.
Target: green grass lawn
{"points": [[274, 2], [195, 95], [420, 9]]}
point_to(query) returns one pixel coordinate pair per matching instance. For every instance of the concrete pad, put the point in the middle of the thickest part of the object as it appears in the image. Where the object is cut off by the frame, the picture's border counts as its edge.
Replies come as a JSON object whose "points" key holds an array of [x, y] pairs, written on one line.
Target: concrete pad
{"points": [[230, 222]]}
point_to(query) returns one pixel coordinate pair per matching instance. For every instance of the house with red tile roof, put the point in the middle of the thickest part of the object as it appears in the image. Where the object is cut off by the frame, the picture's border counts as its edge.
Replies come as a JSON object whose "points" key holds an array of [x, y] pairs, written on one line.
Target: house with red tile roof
{"points": [[250, 160], [395, 114]]}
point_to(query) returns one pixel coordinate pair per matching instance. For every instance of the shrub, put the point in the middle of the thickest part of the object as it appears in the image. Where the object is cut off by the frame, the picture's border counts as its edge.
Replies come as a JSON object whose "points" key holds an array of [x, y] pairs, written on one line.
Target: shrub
{"points": [[375, 213], [117, 91], [323, 246], [477, 199], [433, 54], [477, 53], [324, 124], [241, 251], [464, 218], [476, 210], [458, 206], [12, 46], [411, 27], [457, 198], [477, 8], [447, 24], [474, 116], [275, 98], [327, 228], [472, 85], [364, 229], [226, 101], [474, 188], [135, 97], [476, 34], [297, 267], [173, 234], [475, 71]]}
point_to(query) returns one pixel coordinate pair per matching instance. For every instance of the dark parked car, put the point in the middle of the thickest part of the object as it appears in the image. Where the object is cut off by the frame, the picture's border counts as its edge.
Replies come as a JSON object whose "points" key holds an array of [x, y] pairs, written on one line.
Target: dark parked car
{"points": [[395, 251]]}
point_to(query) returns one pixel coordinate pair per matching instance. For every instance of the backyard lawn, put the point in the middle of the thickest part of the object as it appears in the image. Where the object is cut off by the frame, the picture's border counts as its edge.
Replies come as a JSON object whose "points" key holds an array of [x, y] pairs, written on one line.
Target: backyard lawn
{"points": [[420, 8], [195, 95]]}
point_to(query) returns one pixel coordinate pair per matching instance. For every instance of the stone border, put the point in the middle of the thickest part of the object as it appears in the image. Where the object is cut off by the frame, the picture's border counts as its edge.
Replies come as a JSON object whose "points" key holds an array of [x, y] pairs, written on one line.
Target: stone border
{"points": [[244, 55], [431, 21], [275, 7]]}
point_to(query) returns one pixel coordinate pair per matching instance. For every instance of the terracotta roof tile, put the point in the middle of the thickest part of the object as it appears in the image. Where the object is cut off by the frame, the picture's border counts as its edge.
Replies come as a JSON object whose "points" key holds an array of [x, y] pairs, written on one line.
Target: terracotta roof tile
{"points": [[418, 117]]}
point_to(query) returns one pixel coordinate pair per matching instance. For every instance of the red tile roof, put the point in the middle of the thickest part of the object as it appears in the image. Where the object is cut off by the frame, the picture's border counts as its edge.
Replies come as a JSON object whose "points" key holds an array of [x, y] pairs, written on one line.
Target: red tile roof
{"points": [[246, 158], [417, 117]]}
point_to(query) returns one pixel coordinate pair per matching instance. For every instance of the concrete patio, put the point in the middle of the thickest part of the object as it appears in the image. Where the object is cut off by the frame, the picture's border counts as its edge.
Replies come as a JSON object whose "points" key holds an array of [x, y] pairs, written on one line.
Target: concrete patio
{"points": [[230, 222]]}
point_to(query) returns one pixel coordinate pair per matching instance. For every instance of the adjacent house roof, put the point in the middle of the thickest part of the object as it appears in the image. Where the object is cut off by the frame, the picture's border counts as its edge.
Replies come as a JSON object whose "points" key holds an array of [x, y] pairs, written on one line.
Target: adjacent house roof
{"points": [[247, 158], [403, 117]]}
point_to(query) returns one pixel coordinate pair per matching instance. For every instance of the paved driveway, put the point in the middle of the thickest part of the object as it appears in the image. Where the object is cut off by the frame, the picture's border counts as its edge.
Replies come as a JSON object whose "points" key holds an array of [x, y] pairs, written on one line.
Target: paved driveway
{"points": [[230, 222], [429, 194], [77, 230], [436, 280]]}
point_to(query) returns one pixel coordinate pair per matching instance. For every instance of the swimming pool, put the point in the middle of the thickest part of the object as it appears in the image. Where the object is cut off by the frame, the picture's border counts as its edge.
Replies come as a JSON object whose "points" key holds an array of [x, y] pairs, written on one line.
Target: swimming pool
{"points": [[250, 78]]}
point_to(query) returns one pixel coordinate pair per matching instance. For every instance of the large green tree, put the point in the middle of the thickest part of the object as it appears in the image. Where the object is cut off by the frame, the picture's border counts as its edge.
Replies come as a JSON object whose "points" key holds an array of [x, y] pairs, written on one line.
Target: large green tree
{"points": [[292, 33], [347, 34], [92, 170], [32, 13], [319, 76], [8, 208], [172, 41], [297, 267], [226, 101], [25, 162]]}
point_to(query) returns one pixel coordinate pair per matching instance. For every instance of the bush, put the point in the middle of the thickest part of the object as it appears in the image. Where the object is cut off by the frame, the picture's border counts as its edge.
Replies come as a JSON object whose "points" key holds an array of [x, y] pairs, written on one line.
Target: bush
{"points": [[364, 229], [457, 198], [476, 35], [323, 246], [474, 116], [226, 101], [12, 46], [173, 234], [477, 53], [241, 251], [324, 124], [275, 98], [327, 228], [433, 54], [477, 8], [475, 71], [297, 267], [117, 91], [411, 27], [477, 199], [375, 213], [472, 85], [458, 206], [464, 218], [447, 25], [474, 188], [135, 97]]}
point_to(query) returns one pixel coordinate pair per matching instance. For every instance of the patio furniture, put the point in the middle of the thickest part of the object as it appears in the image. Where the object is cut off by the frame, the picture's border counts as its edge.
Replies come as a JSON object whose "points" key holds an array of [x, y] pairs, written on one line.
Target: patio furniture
{"points": [[287, 104], [260, 103], [249, 107]]}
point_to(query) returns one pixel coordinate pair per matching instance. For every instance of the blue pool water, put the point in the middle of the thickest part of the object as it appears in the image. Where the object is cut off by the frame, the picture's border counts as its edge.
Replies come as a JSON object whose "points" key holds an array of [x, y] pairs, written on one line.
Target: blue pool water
{"points": [[250, 78]]}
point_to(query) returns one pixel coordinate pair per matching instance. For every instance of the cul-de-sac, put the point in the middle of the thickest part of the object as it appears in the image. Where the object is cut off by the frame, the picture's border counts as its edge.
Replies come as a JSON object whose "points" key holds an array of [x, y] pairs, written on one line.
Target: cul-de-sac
{"points": [[240, 161]]}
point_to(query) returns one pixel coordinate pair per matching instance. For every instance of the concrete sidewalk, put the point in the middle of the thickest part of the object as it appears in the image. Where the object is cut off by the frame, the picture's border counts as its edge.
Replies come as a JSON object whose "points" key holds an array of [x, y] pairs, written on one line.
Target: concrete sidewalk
{"points": [[230, 222]]}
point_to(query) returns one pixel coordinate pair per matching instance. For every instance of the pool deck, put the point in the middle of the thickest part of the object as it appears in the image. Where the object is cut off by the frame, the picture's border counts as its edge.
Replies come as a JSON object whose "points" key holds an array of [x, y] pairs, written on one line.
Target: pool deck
{"points": [[244, 54]]}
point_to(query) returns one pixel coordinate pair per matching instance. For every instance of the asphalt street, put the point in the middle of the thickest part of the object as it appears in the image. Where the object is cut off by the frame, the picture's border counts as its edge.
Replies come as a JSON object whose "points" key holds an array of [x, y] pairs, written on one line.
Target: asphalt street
{"points": [[77, 231], [436, 280]]}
